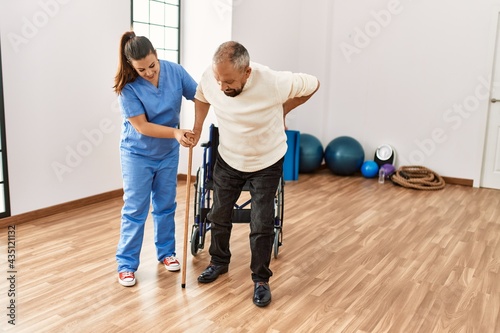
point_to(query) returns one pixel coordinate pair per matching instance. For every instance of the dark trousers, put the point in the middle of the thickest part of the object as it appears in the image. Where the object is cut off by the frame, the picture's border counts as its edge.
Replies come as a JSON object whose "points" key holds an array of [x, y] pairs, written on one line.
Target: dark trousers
{"points": [[228, 184]]}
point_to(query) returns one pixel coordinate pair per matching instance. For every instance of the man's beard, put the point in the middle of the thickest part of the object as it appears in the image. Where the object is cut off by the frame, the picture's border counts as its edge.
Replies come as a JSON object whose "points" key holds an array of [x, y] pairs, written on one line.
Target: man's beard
{"points": [[232, 92]]}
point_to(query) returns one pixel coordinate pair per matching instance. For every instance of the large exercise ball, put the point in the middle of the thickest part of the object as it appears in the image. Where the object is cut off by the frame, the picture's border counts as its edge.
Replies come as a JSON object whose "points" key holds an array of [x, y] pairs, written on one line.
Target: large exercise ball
{"points": [[310, 153], [344, 156]]}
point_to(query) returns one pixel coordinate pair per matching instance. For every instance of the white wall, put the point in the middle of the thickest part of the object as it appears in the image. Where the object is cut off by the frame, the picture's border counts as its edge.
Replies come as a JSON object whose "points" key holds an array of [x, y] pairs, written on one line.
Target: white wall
{"points": [[60, 56], [392, 71], [62, 123]]}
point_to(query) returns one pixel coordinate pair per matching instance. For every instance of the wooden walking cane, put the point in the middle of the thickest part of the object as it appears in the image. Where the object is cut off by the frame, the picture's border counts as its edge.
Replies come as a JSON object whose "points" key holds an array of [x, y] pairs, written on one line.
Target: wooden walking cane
{"points": [[186, 218]]}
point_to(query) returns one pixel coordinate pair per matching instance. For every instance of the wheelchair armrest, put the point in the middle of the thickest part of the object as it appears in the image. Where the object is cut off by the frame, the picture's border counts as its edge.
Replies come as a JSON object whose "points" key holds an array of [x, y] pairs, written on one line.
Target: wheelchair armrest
{"points": [[205, 144]]}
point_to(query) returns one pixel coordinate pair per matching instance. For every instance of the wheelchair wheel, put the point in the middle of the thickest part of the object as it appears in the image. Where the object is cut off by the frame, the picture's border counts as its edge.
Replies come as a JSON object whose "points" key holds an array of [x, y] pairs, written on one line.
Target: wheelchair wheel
{"points": [[278, 219], [195, 231], [277, 241], [195, 240], [197, 194]]}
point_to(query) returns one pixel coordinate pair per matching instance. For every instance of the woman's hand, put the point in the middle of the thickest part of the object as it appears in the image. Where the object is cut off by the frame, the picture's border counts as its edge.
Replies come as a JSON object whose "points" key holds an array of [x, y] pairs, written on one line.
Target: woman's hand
{"points": [[185, 137]]}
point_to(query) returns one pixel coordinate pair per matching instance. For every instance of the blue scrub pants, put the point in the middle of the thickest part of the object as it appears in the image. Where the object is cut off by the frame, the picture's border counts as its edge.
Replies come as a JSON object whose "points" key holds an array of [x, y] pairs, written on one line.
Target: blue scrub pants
{"points": [[147, 182]]}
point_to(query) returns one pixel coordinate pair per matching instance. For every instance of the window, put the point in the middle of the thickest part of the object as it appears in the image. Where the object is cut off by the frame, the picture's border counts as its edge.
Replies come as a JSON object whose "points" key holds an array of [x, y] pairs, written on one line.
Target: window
{"points": [[159, 21], [4, 179]]}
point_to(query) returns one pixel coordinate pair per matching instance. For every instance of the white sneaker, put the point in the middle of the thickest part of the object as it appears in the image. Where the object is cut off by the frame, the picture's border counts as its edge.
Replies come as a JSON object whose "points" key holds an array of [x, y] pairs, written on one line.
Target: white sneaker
{"points": [[172, 264]]}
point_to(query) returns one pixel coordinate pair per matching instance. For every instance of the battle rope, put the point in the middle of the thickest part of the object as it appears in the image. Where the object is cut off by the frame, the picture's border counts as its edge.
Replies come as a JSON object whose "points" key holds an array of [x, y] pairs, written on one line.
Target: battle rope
{"points": [[418, 177]]}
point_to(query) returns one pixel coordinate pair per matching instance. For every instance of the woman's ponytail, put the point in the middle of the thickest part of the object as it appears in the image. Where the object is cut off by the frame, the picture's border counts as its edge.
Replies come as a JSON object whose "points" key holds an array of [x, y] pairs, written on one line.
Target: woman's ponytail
{"points": [[125, 72]]}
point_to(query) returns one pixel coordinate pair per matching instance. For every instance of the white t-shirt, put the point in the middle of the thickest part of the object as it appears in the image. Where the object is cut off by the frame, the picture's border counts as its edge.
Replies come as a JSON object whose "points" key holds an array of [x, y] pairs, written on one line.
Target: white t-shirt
{"points": [[251, 130]]}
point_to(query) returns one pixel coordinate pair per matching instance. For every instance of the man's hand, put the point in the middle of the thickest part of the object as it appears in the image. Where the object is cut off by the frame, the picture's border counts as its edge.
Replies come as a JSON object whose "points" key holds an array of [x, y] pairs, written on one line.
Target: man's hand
{"points": [[195, 136], [185, 137]]}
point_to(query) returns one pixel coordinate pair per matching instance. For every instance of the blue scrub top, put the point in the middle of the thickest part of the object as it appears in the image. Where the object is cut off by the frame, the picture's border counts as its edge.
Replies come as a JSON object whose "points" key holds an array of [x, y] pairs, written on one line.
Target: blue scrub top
{"points": [[161, 105]]}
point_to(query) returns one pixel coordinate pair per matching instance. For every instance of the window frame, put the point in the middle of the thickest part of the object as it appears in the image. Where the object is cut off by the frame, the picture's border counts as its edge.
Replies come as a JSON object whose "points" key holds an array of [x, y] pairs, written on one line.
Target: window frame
{"points": [[165, 25]]}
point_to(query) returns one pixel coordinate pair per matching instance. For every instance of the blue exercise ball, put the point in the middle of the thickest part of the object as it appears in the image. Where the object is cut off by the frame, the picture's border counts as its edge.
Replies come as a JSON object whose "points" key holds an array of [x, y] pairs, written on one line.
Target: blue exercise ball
{"points": [[344, 156], [310, 153], [369, 169]]}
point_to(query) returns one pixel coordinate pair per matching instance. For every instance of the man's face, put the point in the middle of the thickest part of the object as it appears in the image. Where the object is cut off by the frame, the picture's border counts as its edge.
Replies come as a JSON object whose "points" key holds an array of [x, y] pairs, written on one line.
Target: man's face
{"points": [[231, 80]]}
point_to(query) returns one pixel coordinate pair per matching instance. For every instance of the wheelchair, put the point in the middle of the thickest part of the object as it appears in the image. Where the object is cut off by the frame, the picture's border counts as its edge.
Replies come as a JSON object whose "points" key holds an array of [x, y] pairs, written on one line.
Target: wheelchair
{"points": [[241, 212]]}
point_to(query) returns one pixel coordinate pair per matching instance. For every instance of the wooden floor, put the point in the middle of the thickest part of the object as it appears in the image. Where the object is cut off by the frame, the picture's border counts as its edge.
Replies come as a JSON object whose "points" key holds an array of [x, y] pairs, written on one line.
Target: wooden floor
{"points": [[357, 256]]}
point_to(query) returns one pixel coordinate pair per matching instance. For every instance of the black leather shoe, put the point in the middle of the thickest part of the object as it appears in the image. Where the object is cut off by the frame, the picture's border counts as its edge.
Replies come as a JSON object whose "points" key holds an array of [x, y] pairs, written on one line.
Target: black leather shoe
{"points": [[211, 273], [261, 294]]}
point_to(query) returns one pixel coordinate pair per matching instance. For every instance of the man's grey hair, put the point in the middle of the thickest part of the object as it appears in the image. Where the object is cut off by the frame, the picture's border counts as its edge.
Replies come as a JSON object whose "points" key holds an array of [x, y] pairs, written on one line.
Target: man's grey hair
{"points": [[233, 52]]}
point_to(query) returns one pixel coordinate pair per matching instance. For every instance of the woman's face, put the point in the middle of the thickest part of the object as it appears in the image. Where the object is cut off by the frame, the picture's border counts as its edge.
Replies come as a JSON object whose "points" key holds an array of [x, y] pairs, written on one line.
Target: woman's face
{"points": [[148, 68]]}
